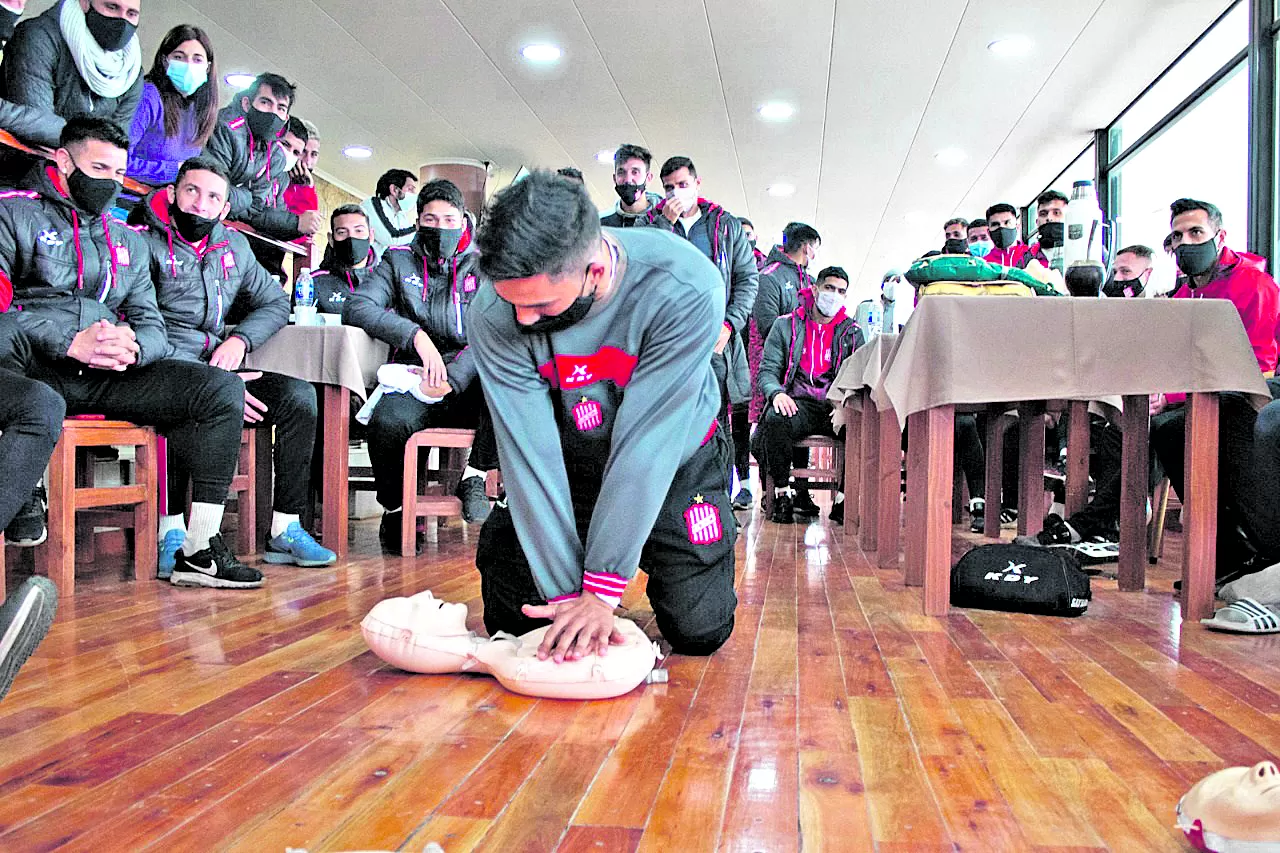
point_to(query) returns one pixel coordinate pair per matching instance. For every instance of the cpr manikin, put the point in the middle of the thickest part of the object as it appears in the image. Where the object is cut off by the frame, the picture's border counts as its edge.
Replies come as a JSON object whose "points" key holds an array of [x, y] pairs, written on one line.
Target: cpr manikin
{"points": [[1236, 810], [425, 634]]}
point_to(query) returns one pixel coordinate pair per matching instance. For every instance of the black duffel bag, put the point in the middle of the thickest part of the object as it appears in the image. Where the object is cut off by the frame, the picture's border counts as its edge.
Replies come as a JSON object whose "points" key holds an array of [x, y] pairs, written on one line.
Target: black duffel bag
{"points": [[1021, 579]]}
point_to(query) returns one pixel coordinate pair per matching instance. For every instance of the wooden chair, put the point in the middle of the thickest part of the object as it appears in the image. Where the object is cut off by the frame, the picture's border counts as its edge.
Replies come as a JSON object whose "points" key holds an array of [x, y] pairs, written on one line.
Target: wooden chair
{"points": [[244, 489], [56, 557], [431, 494], [1159, 511], [829, 476]]}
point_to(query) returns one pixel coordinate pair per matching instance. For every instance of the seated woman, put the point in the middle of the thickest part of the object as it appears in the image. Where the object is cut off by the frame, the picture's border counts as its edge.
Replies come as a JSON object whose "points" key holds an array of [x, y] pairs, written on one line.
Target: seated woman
{"points": [[416, 300], [179, 107]]}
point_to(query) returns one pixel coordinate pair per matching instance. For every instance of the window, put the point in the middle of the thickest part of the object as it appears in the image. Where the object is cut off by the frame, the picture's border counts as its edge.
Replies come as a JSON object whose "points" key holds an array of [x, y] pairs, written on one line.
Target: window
{"points": [[1083, 168], [1204, 154]]}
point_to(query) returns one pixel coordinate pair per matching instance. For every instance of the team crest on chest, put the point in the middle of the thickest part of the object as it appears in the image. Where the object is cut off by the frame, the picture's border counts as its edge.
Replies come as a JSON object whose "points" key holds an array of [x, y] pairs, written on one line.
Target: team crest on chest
{"points": [[469, 284], [414, 280], [588, 415], [50, 237], [702, 520]]}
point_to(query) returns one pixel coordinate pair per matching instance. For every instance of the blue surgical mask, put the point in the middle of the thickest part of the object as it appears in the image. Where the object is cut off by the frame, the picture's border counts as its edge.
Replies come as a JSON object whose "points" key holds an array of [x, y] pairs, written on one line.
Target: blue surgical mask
{"points": [[981, 248], [186, 77]]}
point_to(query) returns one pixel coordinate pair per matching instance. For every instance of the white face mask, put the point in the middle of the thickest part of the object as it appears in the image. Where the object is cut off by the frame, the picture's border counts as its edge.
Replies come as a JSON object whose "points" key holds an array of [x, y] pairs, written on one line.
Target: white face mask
{"points": [[289, 159], [828, 304], [687, 196], [407, 203], [887, 288]]}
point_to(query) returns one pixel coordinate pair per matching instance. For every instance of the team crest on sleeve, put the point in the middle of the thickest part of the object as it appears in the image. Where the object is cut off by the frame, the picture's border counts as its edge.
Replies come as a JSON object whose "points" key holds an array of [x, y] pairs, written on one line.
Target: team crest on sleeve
{"points": [[588, 415], [702, 520], [122, 255]]}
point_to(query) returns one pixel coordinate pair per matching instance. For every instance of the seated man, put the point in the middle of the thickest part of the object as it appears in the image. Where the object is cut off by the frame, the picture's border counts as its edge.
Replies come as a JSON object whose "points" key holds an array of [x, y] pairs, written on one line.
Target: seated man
{"points": [[348, 258], [802, 356], [595, 352], [244, 144], [82, 283], [416, 300], [200, 268], [1212, 270], [77, 58]]}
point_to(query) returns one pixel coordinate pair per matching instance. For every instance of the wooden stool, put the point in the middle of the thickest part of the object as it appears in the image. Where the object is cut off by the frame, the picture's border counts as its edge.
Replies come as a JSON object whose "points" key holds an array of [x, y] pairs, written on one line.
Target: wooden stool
{"points": [[830, 477], [244, 488], [1155, 529], [433, 497], [56, 557]]}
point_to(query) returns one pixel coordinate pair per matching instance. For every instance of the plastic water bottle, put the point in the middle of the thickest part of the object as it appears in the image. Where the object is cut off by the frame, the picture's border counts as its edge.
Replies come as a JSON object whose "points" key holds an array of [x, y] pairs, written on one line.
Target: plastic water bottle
{"points": [[304, 299], [1084, 237], [870, 317]]}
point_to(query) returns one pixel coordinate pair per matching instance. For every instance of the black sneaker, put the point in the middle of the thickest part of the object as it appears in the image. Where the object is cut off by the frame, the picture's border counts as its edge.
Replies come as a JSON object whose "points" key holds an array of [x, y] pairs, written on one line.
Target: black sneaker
{"points": [[1056, 531], [28, 527], [742, 500], [213, 567], [803, 504], [475, 503], [783, 512], [389, 533], [1008, 519], [24, 620], [837, 512]]}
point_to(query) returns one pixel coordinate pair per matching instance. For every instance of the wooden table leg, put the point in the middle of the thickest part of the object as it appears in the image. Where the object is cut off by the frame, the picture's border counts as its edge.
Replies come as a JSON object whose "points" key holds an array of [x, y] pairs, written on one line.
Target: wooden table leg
{"points": [[852, 469], [337, 432], [996, 424], [1135, 463], [889, 501], [1030, 468], [930, 444], [870, 492], [1077, 457], [1200, 506]]}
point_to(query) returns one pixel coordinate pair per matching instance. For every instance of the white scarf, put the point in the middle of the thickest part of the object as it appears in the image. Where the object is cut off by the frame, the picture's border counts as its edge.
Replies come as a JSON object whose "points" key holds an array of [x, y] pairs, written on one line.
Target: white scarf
{"points": [[109, 73]]}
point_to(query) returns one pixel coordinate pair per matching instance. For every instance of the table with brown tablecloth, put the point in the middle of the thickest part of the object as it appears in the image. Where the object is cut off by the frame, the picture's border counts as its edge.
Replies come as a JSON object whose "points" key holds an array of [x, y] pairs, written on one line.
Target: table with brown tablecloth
{"points": [[964, 350], [345, 360]]}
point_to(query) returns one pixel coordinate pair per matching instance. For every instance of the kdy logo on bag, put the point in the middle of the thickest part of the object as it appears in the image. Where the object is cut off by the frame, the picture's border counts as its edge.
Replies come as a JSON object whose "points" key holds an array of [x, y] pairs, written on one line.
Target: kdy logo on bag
{"points": [[1012, 574]]}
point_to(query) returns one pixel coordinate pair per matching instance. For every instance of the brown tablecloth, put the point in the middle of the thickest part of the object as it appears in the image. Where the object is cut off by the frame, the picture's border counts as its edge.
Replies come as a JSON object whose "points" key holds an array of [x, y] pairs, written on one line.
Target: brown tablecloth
{"points": [[330, 355], [860, 370], [995, 349]]}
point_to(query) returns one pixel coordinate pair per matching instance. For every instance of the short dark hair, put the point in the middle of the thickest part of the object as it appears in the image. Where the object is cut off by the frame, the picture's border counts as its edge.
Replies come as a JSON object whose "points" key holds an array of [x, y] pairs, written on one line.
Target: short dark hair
{"points": [[346, 210], [540, 225], [963, 223], [833, 272], [627, 151], [976, 223], [298, 128], [747, 223], [92, 128], [202, 164], [1051, 195], [798, 234], [1138, 249], [441, 190], [1002, 207], [675, 164], [275, 84], [1186, 205], [572, 173], [393, 178]]}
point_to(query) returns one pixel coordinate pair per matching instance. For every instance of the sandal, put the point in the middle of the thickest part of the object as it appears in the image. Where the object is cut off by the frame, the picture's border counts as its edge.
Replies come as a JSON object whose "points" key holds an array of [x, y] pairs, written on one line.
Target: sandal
{"points": [[1245, 616]]}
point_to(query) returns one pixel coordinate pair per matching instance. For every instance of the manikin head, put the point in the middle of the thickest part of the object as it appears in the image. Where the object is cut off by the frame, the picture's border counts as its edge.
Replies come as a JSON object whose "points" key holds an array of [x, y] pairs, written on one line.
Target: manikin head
{"points": [[1239, 804]]}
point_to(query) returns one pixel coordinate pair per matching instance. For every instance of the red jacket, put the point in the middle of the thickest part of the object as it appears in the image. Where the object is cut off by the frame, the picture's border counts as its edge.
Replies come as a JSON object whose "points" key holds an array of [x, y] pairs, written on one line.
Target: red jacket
{"points": [[300, 198], [1243, 279], [1018, 255]]}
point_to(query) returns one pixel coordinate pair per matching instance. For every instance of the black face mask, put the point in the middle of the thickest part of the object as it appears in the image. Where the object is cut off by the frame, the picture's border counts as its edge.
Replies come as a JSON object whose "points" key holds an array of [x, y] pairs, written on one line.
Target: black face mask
{"points": [[955, 246], [752, 241], [193, 228], [439, 243], [1130, 288], [8, 20], [1004, 237], [351, 251], [92, 195], [578, 309], [629, 193], [109, 33], [264, 125], [1052, 234], [1198, 258]]}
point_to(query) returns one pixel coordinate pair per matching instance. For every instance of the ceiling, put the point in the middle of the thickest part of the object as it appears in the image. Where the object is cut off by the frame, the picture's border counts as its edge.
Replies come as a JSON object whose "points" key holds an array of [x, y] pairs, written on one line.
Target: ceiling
{"points": [[879, 87]]}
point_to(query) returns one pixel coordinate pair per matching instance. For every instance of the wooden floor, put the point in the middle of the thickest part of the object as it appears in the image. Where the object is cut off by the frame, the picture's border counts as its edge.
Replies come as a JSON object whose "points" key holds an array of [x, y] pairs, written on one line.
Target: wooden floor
{"points": [[838, 717]]}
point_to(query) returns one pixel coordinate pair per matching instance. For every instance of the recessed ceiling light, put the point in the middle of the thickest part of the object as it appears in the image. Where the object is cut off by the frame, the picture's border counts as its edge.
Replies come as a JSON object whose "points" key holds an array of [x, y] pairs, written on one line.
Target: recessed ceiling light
{"points": [[239, 80], [358, 152], [950, 156], [605, 156], [781, 190], [776, 111], [1012, 46], [541, 54]]}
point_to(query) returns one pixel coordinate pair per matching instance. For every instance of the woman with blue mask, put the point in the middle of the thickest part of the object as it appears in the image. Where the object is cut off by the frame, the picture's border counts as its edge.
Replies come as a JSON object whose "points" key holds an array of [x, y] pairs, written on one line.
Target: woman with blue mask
{"points": [[179, 107]]}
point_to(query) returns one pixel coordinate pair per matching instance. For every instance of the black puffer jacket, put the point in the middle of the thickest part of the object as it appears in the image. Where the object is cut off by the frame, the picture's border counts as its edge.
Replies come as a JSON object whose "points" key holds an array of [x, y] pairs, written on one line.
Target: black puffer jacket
{"points": [[70, 269], [256, 169], [38, 72], [196, 289], [334, 284], [408, 292]]}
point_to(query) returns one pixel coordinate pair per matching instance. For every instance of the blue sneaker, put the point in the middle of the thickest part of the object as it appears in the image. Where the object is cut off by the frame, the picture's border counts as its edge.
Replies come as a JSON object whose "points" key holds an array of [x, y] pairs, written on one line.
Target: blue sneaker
{"points": [[168, 550], [296, 546]]}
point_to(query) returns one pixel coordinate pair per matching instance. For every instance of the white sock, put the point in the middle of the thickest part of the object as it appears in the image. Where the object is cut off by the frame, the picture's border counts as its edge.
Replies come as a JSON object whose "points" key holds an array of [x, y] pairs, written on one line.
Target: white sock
{"points": [[206, 522], [469, 472], [779, 491], [172, 522], [280, 522]]}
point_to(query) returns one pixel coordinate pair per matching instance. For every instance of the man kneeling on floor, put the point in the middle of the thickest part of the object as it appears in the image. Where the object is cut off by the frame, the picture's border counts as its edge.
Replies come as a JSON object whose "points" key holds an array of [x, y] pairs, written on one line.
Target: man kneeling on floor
{"points": [[802, 355], [595, 352], [201, 268]]}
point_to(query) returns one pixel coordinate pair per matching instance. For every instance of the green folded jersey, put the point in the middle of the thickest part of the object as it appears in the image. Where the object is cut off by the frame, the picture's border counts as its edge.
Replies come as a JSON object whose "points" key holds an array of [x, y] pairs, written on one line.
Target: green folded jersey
{"points": [[966, 268]]}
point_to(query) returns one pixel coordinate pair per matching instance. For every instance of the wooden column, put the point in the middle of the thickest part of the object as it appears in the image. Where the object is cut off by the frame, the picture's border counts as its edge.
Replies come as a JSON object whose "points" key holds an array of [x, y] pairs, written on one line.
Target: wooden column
{"points": [[853, 427], [470, 176], [1200, 506], [334, 497], [996, 425], [1077, 456], [870, 492], [1134, 467], [1030, 468], [930, 467], [889, 501]]}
